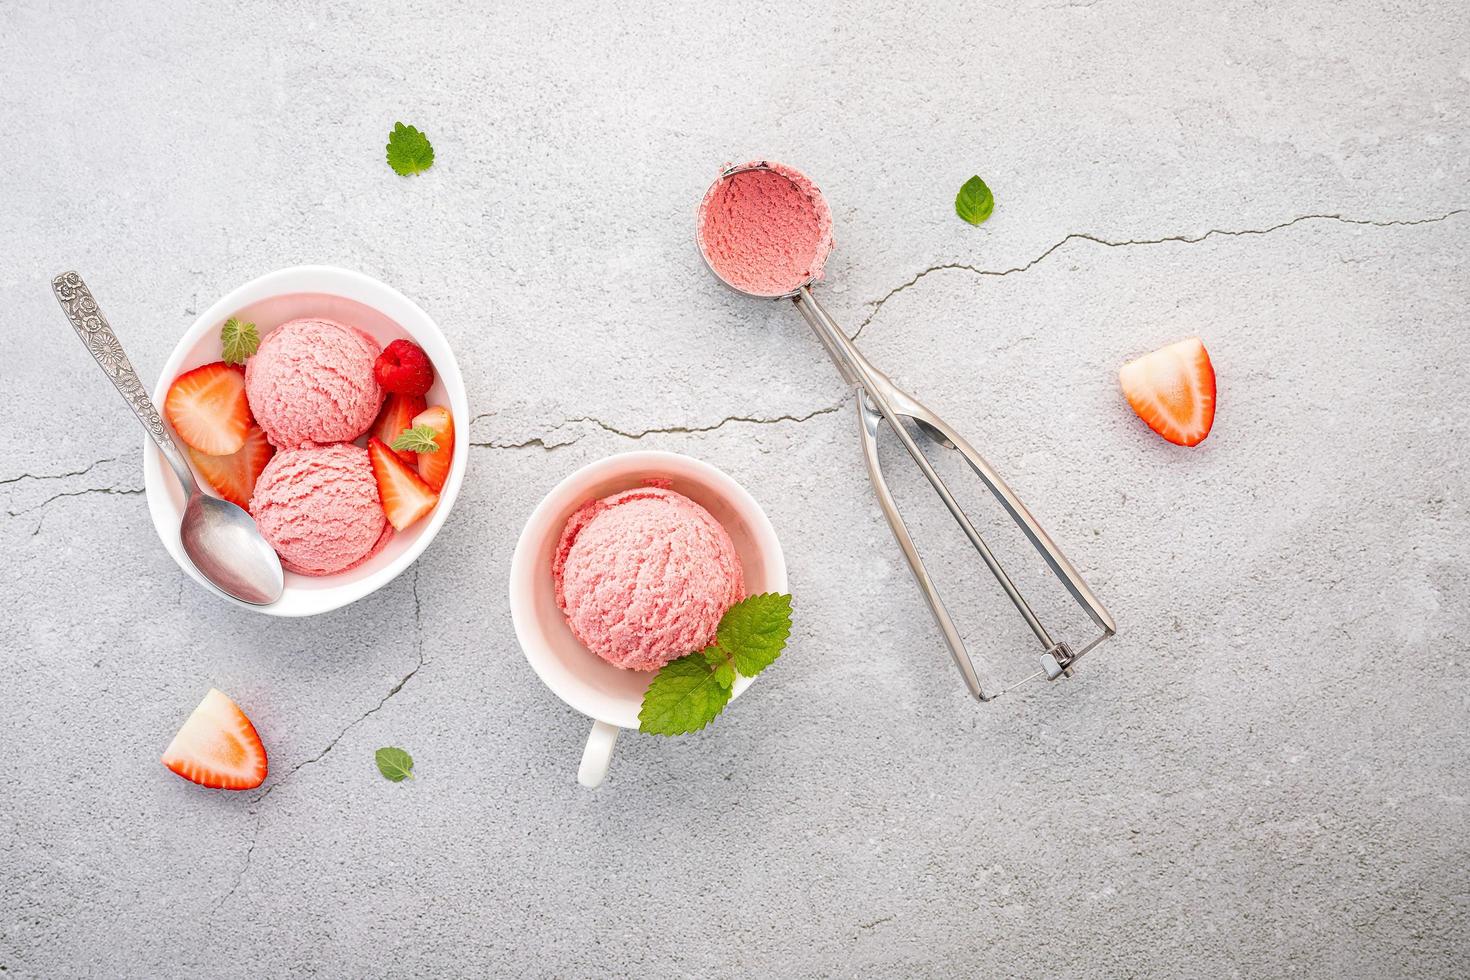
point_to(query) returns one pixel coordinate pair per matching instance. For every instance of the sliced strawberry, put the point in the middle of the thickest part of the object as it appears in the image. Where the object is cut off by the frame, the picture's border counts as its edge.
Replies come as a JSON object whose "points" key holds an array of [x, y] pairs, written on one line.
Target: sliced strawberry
{"points": [[233, 477], [1173, 390], [207, 408], [434, 467], [405, 497], [218, 747], [397, 415]]}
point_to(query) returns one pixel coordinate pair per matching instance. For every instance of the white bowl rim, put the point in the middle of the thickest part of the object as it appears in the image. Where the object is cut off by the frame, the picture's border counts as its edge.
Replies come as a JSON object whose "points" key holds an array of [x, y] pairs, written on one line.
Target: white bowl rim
{"points": [[360, 288], [523, 558]]}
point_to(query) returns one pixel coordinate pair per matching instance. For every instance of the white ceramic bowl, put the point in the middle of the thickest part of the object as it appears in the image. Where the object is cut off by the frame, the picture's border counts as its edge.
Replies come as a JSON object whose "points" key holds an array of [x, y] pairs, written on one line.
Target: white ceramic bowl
{"points": [[610, 695], [385, 314]]}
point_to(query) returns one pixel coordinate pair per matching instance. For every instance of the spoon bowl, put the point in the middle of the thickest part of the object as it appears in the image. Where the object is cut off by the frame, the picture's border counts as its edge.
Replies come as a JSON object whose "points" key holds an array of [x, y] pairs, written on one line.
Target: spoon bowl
{"points": [[223, 543]]}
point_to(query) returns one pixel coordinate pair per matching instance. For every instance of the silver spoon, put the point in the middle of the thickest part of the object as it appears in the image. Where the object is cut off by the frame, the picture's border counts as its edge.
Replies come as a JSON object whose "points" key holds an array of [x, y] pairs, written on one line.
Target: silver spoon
{"points": [[220, 538]]}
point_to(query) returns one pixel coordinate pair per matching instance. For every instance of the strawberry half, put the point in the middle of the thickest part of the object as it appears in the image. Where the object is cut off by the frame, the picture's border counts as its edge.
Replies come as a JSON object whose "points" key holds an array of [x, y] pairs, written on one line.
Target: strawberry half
{"points": [[405, 497], [397, 415], [1173, 390], [434, 467], [233, 477], [218, 747], [207, 408]]}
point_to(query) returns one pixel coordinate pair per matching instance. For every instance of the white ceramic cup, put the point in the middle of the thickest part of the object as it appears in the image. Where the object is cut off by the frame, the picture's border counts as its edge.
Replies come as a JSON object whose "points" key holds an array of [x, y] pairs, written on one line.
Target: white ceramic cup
{"points": [[383, 313], [610, 695]]}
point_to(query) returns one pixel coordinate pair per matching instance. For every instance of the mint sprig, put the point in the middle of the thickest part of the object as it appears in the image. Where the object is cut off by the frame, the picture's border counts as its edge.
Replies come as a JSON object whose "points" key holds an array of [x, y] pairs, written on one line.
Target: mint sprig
{"points": [[239, 340], [395, 764], [419, 439], [409, 151], [974, 202], [688, 693]]}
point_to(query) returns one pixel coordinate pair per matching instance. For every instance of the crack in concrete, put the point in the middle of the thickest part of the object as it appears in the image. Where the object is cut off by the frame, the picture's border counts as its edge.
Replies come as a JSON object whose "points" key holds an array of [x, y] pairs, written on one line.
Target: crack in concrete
{"points": [[798, 419], [60, 476], [118, 491], [418, 630], [245, 866], [1126, 243], [537, 441], [419, 650], [543, 442]]}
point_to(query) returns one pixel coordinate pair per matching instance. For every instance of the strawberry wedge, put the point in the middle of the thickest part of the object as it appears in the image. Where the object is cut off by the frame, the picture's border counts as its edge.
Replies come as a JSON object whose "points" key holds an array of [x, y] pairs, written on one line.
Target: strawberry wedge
{"points": [[217, 747], [233, 477], [207, 408], [1173, 390], [434, 467], [405, 496], [397, 415]]}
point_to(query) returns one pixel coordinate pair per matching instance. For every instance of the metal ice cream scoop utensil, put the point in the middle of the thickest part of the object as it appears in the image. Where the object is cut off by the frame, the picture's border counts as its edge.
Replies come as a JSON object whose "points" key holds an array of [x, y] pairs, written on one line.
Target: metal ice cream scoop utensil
{"points": [[882, 407], [220, 538]]}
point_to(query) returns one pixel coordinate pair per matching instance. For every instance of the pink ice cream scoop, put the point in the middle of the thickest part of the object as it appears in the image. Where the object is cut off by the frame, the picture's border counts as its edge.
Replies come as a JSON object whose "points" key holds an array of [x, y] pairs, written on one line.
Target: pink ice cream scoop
{"points": [[312, 381], [765, 229], [644, 576], [318, 507]]}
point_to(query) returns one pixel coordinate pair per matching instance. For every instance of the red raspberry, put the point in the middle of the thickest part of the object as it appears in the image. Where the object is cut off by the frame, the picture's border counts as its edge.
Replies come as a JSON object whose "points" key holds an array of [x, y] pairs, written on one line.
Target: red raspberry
{"points": [[404, 369]]}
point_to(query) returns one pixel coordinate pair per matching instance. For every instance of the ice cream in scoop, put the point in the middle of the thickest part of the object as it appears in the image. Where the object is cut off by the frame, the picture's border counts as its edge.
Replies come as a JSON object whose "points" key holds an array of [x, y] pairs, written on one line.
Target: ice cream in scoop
{"points": [[312, 381], [644, 576], [765, 229]]}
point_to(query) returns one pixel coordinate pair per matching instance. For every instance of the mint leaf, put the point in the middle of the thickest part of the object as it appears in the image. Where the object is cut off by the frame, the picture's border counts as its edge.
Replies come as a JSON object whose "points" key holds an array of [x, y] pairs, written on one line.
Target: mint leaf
{"points": [[754, 631], [685, 696], [725, 673], [419, 439], [240, 340], [395, 764], [974, 202], [409, 151], [690, 692]]}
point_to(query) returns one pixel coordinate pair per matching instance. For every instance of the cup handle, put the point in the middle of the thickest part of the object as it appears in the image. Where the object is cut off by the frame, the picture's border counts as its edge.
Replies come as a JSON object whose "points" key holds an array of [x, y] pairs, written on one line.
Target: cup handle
{"points": [[597, 756]]}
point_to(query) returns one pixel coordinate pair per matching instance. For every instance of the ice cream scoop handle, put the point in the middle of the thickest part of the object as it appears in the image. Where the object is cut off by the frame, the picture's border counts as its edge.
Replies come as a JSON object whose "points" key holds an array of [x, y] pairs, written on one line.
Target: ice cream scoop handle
{"points": [[597, 756], [81, 309]]}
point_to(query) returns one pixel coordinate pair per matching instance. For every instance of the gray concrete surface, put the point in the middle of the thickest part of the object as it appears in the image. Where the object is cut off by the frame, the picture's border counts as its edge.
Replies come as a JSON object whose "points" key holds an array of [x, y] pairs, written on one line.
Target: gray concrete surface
{"points": [[1263, 776]]}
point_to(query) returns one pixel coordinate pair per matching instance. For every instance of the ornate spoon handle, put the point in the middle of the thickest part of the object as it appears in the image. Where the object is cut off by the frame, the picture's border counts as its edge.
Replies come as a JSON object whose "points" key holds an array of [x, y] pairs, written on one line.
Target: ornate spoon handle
{"points": [[77, 302]]}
